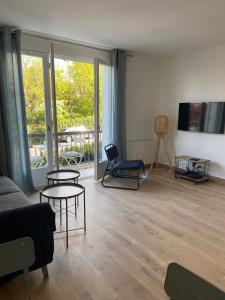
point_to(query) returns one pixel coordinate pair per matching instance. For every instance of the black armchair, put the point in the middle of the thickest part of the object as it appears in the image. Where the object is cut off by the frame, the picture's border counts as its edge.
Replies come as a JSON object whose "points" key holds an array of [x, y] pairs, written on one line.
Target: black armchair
{"points": [[117, 168]]}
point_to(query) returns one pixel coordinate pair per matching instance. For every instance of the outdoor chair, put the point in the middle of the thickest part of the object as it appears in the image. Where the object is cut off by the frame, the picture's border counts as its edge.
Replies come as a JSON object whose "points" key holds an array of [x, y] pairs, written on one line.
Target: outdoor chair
{"points": [[121, 168], [182, 284]]}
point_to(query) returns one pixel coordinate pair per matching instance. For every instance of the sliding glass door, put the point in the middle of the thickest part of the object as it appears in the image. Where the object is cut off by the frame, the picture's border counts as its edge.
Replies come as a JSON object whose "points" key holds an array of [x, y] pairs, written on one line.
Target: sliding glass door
{"points": [[38, 111], [82, 109]]}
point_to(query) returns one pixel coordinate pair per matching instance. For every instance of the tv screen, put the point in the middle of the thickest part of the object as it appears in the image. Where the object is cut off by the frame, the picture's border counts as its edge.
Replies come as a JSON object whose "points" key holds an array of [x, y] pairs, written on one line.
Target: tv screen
{"points": [[202, 117]]}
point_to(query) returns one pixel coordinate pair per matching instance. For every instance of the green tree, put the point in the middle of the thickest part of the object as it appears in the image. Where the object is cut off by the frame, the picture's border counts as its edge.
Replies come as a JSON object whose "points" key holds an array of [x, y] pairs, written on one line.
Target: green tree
{"points": [[74, 93], [34, 92]]}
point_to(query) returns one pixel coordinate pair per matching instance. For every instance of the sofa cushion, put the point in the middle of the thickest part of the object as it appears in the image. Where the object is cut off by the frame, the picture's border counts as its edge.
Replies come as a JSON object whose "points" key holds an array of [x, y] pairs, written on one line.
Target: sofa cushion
{"points": [[7, 186], [13, 200]]}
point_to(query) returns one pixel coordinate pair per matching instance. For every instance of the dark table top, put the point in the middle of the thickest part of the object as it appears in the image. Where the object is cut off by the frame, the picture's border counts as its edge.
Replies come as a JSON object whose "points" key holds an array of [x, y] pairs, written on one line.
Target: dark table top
{"points": [[63, 175], [62, 190]]}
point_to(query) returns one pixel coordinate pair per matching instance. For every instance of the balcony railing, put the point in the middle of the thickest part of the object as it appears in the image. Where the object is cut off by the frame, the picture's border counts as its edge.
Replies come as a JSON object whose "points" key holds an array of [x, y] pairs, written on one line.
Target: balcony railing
{"points": [[74, 148]]}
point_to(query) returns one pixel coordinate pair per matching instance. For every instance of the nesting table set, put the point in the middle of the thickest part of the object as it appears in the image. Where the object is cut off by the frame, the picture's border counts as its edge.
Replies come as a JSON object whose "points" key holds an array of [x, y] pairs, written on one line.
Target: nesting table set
{"points": [[63, 187]]}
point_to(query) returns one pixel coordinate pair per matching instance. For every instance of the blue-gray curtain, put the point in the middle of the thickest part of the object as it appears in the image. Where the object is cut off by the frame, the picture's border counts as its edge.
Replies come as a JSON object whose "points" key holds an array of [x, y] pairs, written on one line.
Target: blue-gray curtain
{"points": [[119, 58], [13, 140]]}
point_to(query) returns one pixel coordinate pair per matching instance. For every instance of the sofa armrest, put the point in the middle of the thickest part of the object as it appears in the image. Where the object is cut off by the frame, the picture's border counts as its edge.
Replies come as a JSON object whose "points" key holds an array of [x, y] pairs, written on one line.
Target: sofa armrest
{"points": [[36, 221], [31, 220]]}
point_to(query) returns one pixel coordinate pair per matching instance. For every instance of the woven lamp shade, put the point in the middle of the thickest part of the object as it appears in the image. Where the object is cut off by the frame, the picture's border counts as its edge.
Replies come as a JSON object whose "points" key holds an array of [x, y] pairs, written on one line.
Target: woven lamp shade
{"points": [[161, 125]]}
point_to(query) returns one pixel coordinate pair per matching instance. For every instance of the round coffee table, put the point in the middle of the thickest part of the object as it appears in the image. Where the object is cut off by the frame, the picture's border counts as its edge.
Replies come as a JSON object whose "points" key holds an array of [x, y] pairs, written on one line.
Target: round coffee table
{"points": [[65, 191], [62, 175]]}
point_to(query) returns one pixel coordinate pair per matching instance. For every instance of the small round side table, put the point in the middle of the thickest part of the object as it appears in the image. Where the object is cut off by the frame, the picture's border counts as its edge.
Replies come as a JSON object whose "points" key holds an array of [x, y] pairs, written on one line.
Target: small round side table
{"points": [[65, 191], [62, 175]]}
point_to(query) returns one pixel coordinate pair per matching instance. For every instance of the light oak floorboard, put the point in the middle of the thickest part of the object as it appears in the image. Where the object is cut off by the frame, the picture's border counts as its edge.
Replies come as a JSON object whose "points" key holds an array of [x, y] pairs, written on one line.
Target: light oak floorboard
{"points": [[131, 238]]}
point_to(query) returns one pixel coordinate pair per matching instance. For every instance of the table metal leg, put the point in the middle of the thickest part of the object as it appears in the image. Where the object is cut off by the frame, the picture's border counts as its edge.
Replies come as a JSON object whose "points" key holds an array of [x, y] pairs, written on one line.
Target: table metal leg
{"points": [[84, 212], [60, 203], [75, 206], [66, 222], [66, 208]]}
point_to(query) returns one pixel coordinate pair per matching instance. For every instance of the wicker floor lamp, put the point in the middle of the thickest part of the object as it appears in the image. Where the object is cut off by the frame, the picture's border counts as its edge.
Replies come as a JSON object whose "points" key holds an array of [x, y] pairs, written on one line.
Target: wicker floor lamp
{"points": [[161, 128]]}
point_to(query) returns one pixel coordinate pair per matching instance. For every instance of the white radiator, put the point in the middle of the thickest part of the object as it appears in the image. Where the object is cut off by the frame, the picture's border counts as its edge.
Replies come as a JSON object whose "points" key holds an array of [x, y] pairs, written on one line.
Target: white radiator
{"points": [[141, 149]]}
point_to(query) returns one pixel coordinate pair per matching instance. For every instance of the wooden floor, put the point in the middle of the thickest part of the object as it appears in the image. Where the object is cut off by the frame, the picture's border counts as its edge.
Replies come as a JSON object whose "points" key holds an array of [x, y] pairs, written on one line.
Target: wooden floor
{"points": [[130, 240]]}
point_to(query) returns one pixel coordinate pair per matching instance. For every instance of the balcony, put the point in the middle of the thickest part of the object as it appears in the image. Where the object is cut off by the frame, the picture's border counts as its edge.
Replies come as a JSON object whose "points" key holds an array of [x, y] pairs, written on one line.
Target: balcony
{"points": [[76, 149]]}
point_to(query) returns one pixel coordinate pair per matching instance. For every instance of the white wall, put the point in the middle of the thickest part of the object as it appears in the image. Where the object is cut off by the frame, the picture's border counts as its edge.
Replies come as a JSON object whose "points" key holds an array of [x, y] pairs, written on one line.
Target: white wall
{"points": [[196, 76], [141, 102]]}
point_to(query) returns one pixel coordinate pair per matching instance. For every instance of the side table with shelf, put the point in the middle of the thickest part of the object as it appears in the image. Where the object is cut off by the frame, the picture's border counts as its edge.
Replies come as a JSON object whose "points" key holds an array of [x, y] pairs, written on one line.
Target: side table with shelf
{"points": [[192, 168]]}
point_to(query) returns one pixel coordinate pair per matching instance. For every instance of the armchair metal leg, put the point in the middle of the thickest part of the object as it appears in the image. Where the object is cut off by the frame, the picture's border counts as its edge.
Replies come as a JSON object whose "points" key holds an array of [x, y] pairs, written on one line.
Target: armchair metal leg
{"points": [[113, 173], [104, 176], [144, 169], [138, 180], [123, 177]]}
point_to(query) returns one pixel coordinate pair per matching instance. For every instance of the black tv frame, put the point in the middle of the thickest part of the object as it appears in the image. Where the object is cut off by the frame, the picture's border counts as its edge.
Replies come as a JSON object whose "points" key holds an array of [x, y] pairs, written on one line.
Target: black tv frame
{"points": [[197, 116]]}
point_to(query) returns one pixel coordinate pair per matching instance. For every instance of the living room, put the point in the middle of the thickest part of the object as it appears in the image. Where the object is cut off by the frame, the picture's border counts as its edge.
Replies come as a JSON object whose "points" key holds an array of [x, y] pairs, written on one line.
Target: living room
{"points": [[174, 54]]}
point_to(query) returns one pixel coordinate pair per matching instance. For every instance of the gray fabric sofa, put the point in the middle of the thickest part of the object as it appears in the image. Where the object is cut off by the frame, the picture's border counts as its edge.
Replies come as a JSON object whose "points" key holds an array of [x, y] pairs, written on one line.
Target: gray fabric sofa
{"points": [[20, 218]]}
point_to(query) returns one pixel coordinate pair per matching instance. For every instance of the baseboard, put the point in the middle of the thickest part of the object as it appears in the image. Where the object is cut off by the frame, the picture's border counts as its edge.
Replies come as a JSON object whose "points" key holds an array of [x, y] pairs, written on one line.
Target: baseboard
{"points": [[163, 166], [211, 178], [217, 179]]}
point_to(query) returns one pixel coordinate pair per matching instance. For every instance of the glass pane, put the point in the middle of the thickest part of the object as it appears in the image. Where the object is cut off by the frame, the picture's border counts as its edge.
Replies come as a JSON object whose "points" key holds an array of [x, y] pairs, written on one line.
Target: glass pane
{"points": [[33, 80], [75, 112], [104, 109]]}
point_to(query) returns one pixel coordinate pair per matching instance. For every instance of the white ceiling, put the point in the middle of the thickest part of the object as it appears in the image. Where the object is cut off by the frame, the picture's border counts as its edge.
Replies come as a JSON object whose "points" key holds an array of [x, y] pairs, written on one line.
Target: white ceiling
{"points": [[148, 26]]}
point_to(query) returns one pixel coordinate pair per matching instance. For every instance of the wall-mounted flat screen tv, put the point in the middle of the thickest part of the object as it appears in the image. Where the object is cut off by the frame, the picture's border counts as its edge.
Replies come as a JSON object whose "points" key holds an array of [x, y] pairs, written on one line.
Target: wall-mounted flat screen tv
{"points": [[202, 117]]}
